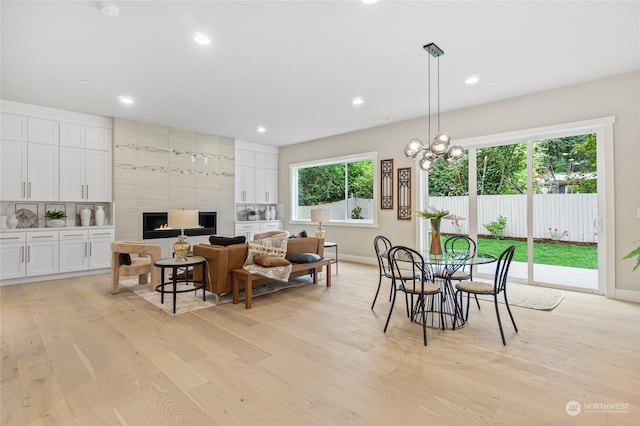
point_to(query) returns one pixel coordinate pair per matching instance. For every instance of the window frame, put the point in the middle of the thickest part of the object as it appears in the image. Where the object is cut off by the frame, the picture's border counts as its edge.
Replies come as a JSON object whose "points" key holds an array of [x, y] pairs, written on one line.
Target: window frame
{"points": [[344, 159]]}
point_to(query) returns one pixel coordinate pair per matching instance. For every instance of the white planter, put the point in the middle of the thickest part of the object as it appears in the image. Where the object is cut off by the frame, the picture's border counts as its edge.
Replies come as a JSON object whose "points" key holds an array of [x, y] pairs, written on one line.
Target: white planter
{"points": [[253, 217], [56, 223]]}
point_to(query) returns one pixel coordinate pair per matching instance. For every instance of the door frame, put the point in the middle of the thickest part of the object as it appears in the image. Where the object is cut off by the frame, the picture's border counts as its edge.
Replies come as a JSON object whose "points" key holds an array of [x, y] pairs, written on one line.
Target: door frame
{"points": [[603, 128]]}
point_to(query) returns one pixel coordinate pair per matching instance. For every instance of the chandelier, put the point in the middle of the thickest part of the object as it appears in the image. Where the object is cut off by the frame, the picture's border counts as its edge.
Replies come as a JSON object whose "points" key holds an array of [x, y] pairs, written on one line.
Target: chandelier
{"points": [[440, 146]]}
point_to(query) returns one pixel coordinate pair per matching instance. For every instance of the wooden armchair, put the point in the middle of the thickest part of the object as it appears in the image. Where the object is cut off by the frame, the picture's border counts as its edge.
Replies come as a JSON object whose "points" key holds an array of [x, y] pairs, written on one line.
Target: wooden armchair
{"points": [[268, 234], [142, 265]]}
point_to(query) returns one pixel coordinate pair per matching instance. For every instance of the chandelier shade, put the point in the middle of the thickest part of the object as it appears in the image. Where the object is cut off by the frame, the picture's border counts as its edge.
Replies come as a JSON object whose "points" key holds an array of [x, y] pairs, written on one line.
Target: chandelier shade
{"points": [[440, 145]]}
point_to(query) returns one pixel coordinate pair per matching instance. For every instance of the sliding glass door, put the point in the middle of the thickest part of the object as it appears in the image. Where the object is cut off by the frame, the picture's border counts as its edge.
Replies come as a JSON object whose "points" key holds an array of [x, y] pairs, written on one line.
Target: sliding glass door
{"points": [[541, 193]]}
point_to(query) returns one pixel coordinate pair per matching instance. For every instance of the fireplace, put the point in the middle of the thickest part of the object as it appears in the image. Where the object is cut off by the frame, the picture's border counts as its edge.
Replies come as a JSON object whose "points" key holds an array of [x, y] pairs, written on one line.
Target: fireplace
{"points": [[154, 225]]}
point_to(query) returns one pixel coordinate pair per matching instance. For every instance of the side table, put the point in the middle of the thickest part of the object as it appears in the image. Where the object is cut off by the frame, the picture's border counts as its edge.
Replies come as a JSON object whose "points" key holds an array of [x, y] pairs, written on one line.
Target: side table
{"points": [[174, 264], [330, 244]]}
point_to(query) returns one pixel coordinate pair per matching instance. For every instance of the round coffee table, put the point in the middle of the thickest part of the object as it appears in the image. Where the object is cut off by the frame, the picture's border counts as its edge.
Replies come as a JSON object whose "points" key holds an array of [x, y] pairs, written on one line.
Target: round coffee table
{"points": [[175, 264]]}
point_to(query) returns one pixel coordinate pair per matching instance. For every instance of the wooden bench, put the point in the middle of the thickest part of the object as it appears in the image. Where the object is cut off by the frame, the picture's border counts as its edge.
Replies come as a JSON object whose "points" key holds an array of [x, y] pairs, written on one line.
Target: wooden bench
{"points": [[253, 279]]}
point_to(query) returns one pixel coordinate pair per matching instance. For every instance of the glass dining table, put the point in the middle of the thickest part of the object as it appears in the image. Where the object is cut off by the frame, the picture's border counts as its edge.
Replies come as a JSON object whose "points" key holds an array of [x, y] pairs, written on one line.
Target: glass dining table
{"points": [[439, 269]]}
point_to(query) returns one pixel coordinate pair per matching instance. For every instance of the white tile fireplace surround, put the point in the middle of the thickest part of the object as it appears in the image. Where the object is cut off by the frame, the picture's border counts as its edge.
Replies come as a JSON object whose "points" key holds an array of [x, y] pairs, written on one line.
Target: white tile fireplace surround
{"points": [[157, 168]]}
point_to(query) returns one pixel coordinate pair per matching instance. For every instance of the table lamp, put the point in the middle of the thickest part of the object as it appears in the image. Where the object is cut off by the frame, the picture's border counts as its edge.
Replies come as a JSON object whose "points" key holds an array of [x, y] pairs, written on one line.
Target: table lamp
{"points": [[182, 219], [320, 215]]}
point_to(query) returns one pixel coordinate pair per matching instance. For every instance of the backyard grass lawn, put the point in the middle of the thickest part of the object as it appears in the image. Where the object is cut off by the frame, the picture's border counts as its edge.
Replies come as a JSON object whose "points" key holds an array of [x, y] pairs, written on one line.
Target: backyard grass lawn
{"points": [[545, 253]]}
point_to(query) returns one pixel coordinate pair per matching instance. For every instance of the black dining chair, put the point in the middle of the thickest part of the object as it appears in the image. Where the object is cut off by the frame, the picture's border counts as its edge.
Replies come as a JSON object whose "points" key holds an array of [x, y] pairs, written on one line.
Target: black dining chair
{"points": [[499, 286], [411, 276], [461, 245], [382, 246]]}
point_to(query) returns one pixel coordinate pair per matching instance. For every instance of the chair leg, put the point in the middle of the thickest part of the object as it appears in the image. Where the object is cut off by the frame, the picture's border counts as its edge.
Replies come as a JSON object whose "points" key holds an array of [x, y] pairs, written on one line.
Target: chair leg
{"points": [[390, 312], [377, 291], [506, 302], [477, 303], [424, 321], [495, 302]]}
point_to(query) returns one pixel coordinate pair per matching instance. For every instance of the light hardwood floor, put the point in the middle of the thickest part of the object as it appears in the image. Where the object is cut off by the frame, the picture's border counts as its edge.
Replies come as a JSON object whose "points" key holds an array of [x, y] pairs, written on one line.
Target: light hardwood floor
{"points": [[74, 354]]}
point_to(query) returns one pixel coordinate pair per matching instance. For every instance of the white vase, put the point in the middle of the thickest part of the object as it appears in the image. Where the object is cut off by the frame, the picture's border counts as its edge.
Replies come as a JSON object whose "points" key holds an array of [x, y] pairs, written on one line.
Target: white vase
{"points": [[85, 216], [99, 216], [12, 221], [273, 213], [267, 214]]}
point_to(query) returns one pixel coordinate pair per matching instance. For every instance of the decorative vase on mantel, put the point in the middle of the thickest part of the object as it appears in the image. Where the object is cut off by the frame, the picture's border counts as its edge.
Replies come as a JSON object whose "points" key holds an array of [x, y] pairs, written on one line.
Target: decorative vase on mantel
{"points": [[436, 246]]}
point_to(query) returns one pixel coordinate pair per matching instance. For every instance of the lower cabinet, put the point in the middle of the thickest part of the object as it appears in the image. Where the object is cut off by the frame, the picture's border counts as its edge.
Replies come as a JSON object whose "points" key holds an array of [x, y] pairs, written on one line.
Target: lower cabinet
{"points": [[25, 254], [85, 249], [250, 229]]}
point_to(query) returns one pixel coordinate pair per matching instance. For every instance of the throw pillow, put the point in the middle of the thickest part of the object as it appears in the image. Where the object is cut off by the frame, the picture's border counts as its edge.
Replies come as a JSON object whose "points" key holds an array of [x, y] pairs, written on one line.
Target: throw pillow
{"points": [[302, 234], [216, 240], [272, 246], [304, 258], [270, 261], [124, 259]]}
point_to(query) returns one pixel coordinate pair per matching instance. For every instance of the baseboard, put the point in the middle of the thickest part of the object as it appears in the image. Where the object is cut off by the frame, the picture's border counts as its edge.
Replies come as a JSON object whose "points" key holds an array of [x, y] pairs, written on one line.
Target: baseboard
{"points": [[626, 295]]}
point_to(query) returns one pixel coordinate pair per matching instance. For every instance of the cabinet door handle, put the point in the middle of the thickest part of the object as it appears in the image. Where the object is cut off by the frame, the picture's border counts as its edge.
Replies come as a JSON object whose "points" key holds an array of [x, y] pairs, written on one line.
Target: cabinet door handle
{"points": [[87, 191], [29, 190], [9, 238], [42, 236], [90, 248], [28, 253]]}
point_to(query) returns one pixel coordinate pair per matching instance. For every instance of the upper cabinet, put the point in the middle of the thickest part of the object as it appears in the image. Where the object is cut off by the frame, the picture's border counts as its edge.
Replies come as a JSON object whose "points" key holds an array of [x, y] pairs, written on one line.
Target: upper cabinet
{"points": [[29, 171], [256, 175], [54, 155]]}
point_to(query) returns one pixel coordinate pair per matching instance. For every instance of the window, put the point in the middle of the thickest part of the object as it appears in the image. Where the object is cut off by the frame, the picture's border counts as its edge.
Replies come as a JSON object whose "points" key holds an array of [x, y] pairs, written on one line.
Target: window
{"points": [[343, 185]]}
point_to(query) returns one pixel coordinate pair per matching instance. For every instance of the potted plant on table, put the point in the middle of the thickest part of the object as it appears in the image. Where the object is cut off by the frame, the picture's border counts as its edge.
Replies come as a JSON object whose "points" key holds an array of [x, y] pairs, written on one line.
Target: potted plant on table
{"points": [[55, 218], [252, 215], [436, 216]]}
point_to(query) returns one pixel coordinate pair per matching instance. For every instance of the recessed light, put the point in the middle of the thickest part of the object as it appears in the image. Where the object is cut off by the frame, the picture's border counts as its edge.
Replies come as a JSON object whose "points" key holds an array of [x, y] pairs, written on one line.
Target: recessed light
{"points": [[357, 101], [84, 81], [472, 79], [201, 39], [369, 1], [125, 99], [110, 9], [492, 83], [261, 129]]}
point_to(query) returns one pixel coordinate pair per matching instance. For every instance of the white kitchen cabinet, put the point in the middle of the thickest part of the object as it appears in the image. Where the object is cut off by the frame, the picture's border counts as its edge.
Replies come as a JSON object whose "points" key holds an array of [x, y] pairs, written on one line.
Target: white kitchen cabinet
{"points": [[274, 225], [248, 230], [24, 254], [82, 249], [29, 171], [266, 186], [100, 248], [14, 127], [245, 184], [44, 131], [85, 174], [42, 253], [75, 135], [12, 255]]}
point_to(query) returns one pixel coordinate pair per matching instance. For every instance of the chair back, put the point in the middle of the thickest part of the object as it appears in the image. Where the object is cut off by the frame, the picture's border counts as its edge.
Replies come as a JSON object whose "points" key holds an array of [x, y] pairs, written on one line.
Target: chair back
{"points": [[460, 244], [408, 269], [502, 269], [383, 246]]}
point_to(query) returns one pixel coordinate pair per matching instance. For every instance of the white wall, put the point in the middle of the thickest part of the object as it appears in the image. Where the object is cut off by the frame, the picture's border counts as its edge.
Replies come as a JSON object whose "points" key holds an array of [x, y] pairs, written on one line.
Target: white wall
{"points": [[617, 96]]}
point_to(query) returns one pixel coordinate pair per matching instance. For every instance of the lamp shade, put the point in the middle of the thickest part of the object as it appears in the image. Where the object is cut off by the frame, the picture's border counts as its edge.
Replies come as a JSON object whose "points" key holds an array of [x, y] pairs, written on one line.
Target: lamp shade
{"points": [[320, 215], [182, 219]]}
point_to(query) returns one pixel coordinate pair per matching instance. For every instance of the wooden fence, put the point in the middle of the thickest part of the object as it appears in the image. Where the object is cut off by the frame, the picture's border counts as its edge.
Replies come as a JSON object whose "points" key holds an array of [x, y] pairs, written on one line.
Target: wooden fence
{"points": [[573, 213]]}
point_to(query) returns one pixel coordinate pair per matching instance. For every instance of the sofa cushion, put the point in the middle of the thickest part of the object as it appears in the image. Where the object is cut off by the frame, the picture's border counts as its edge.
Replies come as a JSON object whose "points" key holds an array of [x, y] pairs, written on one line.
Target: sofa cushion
{"points": [[270, 261], [272, 246], [304, 258], [217, 240]]}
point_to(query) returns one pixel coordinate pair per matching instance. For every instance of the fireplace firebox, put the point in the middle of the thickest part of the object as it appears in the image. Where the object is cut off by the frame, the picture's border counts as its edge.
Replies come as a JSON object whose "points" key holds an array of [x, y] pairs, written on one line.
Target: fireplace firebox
{"points": [[154, 225]]}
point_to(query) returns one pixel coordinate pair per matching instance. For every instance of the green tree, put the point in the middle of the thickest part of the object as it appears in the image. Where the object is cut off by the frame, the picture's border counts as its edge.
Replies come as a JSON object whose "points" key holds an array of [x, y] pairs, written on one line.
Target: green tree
{"points": [[320, 184], [502, 170], [360, 179]]}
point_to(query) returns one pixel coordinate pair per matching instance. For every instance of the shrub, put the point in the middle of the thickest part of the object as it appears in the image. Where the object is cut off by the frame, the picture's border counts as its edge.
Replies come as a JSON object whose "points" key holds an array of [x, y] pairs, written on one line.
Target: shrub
{"points": [[356, 213], [496, 229]]}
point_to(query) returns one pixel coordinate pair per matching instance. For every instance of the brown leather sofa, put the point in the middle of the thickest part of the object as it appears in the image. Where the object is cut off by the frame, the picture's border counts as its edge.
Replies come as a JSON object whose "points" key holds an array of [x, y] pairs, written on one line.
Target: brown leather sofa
{"points": [[223, 260]]}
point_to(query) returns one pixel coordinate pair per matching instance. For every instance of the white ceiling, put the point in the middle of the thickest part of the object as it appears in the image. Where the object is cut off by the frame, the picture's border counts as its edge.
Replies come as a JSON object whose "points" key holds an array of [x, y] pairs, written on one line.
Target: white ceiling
{"points": [[295, 66]]}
